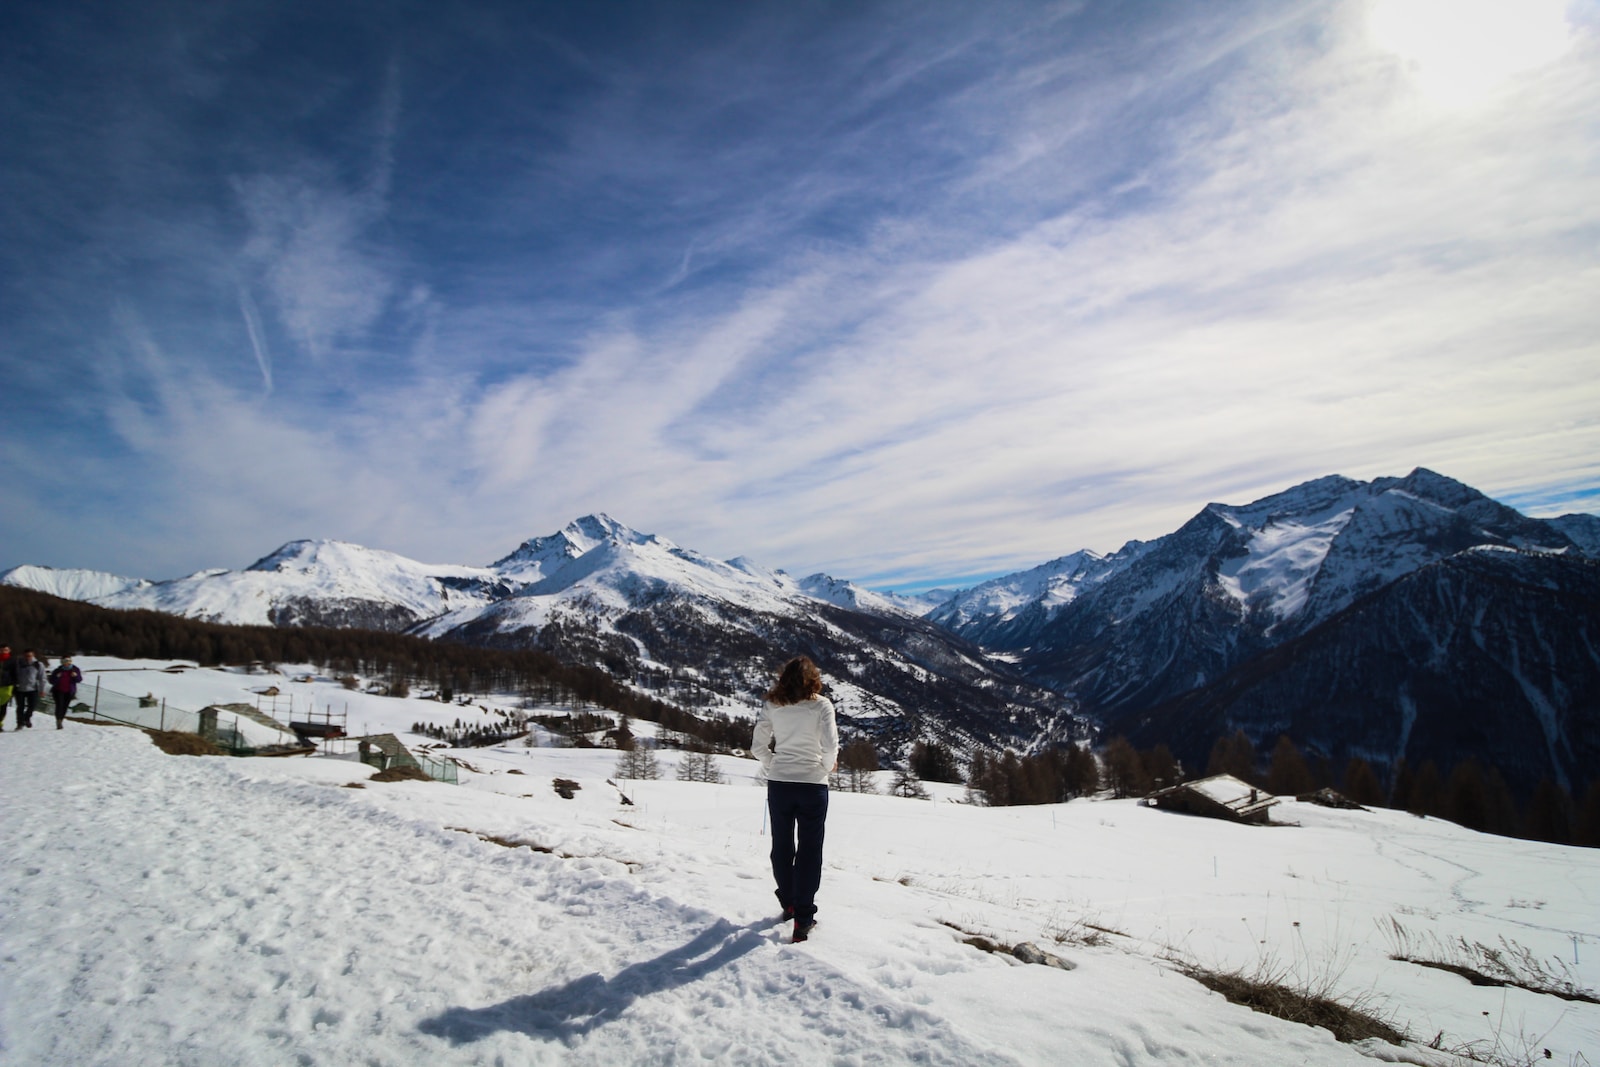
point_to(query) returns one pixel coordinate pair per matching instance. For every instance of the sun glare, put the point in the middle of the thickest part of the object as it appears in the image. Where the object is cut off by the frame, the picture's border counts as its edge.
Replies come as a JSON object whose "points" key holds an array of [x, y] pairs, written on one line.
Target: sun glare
{"points": [[1462, 51]]}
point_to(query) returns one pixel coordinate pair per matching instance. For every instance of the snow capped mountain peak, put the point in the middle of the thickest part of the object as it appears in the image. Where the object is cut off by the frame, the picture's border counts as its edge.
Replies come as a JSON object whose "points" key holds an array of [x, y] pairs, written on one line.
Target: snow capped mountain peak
{"points": [[315, 582], [308, 554], [1029, 598], [1320, 496], [850, 595], [1431, 485], [588, 531], [1582, 529], [539, 557], [69, 583], [779, 579]]}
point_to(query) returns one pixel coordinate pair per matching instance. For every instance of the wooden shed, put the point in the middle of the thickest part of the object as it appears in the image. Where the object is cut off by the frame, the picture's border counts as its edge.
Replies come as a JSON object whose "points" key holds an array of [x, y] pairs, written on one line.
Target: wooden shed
{"points": [[1222, 796]]}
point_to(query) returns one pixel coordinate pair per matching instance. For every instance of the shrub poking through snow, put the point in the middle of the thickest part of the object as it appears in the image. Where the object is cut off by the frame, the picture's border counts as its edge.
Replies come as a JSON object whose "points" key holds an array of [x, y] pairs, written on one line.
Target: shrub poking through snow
{"points": [[401, 773], [1271, 990], [1510, 964], [565, 787], [1082, 932], [176, 743]]}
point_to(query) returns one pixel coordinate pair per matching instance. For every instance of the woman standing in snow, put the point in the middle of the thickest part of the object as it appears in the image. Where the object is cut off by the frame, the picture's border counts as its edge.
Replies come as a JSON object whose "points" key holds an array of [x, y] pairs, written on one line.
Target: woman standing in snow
{"points": [[797, 742], [64, 682]]}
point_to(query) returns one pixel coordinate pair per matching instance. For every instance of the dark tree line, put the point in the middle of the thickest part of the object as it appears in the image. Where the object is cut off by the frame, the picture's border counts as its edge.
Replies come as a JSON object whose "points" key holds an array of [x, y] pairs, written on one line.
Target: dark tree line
{"points": [[1472, 794], [1050, 777], [464, 736], [56, 627]]}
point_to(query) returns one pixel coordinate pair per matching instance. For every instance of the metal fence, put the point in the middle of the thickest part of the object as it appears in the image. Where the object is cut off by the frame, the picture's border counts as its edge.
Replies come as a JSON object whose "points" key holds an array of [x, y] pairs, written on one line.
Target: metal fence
{"points": [[440, 770], [238, 736], [149, 712]]}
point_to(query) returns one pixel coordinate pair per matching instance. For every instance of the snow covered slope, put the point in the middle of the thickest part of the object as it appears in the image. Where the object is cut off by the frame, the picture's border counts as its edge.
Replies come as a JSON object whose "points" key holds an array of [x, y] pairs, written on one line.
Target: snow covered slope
{"points": [[69, 583], [317, 583], [700, 632], [850, 595], [1583, 530], [1014, 606], [158, 911]]}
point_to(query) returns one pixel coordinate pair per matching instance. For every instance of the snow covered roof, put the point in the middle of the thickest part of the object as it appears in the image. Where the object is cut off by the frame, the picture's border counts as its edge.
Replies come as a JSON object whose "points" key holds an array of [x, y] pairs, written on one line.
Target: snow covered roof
{"points": [[1220, 796]]}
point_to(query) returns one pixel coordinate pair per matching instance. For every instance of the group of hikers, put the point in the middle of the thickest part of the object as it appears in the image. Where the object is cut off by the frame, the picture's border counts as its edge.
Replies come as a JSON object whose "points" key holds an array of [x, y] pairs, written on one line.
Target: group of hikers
{"points": [[25, 678]]}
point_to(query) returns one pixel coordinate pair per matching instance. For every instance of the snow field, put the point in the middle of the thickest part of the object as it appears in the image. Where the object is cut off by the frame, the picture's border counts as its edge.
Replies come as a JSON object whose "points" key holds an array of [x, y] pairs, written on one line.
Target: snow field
{"points": [[158, 909]]}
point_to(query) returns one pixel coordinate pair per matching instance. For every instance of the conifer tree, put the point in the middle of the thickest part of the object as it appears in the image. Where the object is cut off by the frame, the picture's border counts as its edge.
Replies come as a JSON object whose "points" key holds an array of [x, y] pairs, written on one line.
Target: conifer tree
{"points": [[1424, 795], [906, 784], [1549, 816], [1587, 831], [1234, 755], [1124, 771], [857, 761], [1466, 796], [933, 762], [699, 765], [637, 762], [1160, 768], [1288, 775], [1082, 773], [1361, 784]]}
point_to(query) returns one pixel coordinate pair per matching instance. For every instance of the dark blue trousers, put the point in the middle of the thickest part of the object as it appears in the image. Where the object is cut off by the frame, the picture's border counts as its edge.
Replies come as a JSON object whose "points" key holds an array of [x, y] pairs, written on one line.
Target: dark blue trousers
{"points": [[799, 810]]}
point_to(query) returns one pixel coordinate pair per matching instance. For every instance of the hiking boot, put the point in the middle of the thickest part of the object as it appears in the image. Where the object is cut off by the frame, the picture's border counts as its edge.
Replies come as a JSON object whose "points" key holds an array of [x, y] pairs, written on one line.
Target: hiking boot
{"points": [[802, 929], [788, 912]]}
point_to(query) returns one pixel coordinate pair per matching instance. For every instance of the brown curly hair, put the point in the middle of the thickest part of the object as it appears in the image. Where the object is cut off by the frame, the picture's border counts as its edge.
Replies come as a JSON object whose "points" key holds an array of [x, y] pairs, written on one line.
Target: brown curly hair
{"points": [[799, 681]]}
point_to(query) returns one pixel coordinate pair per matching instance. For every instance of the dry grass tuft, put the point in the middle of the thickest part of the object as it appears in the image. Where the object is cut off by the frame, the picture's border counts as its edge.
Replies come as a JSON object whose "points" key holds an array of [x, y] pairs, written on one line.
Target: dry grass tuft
{"points": [[175, 743], [401, 774], [1267, 991], [1508, 964], [1083, 932]]}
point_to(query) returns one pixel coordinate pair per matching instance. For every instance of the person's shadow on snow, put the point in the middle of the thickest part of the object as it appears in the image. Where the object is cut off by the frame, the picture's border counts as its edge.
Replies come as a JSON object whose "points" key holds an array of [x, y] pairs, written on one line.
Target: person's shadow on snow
{"points": [[583, 1004]]}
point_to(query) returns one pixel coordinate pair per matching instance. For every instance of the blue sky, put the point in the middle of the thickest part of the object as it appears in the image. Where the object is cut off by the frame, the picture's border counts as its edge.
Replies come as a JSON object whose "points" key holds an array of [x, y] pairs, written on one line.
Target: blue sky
{"points": [[908, 292]]}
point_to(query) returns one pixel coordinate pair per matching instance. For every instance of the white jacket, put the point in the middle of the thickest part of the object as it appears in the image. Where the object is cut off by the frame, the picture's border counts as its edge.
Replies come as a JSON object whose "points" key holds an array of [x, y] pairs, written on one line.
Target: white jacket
{"points": [[806, 739]]}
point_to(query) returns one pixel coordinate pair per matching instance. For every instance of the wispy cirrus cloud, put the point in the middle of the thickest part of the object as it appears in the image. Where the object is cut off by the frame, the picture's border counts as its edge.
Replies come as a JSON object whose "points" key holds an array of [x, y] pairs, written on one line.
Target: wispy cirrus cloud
{"points": [[900, 294]]}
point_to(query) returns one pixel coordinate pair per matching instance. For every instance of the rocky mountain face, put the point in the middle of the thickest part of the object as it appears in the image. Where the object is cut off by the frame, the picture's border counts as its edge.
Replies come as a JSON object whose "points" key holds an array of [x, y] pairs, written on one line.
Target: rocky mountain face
{"points": [[1489, 653], [1362, 618], [1154, 620]]}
